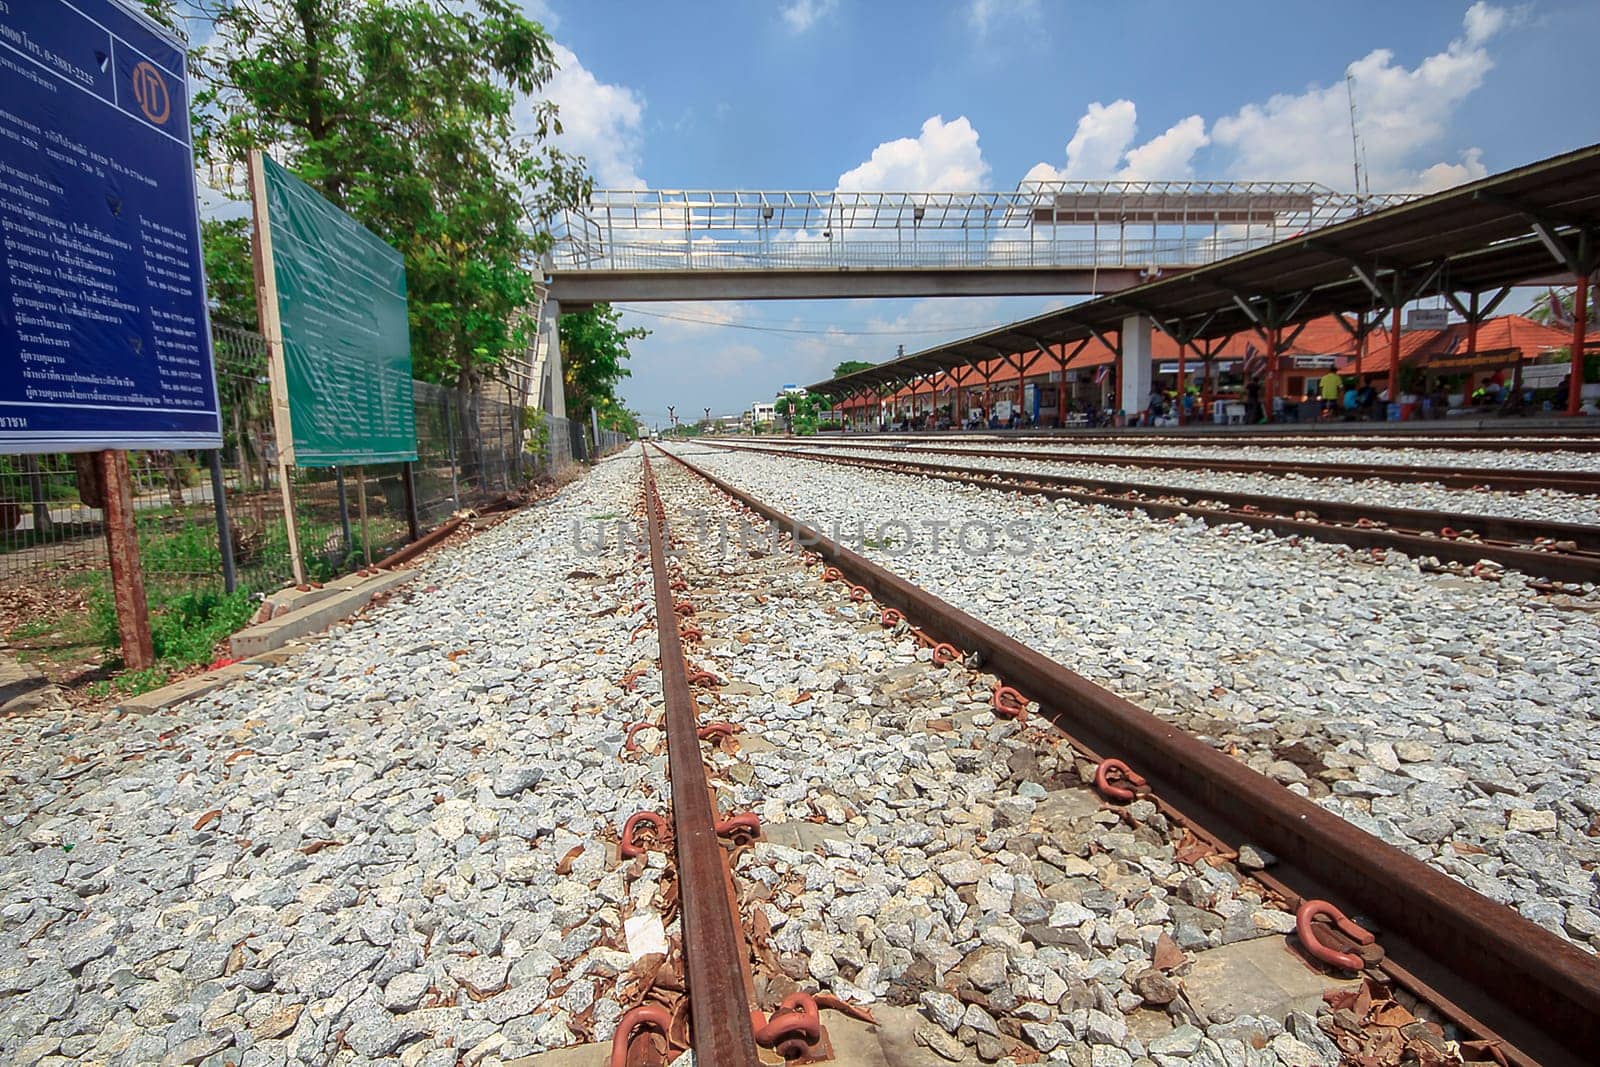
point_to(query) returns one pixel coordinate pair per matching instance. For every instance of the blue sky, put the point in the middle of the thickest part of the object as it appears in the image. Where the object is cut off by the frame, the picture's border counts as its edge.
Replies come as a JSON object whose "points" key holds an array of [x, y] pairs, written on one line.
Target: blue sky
{"points": [[809, 94]]}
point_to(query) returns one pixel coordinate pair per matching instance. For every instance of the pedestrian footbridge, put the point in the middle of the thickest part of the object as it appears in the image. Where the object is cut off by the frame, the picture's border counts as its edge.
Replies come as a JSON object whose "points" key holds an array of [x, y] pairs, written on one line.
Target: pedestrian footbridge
{"points": [[1042, 238]]}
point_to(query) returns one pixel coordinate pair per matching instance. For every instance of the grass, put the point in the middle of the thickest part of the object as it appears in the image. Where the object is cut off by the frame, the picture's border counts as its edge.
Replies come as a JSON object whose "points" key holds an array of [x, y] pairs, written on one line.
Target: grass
{"points": [[68, 623]]}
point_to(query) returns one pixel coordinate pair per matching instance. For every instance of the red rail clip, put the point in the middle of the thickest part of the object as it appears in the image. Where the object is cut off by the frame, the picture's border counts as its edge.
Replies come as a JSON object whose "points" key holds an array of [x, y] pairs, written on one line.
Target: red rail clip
{"points": [[890, 617], [627, 848], [1304, 920], [651, 1018], [628, 743], [945, 653], [793, 1028], [683, 607], [715, 731], [1107, 786], [832, 574], [858, 593], [1009, 703], [691, 632], [742, 828], [701, 676]]}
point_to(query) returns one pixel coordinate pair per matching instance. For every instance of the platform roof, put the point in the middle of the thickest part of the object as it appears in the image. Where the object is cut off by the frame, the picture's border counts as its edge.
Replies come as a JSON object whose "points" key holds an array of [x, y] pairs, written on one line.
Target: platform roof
{"points": [[1506, 229]]}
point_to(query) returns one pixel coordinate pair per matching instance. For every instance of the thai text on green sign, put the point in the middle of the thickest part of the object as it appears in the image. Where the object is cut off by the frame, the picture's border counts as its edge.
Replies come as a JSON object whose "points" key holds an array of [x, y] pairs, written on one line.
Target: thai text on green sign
{"points": [[345, 340]]}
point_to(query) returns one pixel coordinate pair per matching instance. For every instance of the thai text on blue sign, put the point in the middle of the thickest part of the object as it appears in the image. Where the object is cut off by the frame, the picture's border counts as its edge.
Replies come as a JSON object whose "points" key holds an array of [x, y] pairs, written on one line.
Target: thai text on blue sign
{"points": [[104, 338]]}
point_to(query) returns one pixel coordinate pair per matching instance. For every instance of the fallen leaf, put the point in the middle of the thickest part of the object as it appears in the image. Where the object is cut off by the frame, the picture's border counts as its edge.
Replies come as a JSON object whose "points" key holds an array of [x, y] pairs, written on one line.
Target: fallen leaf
{"points": [[208, 818], [564, 867]]}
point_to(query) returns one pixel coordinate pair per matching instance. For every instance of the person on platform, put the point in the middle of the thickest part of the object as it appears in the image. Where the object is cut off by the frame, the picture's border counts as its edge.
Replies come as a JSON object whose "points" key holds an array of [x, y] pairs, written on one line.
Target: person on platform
{"points": [[1332, 386], [1252, 402]]}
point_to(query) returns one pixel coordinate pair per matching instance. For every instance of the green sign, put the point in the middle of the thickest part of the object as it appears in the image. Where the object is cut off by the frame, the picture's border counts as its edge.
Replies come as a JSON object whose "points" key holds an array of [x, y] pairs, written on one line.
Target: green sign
{"points": [[346, 345]]}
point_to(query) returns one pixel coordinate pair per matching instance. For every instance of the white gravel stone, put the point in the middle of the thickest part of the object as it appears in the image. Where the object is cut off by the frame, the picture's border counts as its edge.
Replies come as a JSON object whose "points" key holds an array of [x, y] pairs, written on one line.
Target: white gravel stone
{"points": [[1408, 700]]}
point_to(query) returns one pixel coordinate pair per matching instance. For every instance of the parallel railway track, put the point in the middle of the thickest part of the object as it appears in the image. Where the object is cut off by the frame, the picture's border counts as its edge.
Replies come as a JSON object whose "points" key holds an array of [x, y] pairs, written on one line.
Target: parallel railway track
{"points": [[1560, 551], [1522, 994], [1587, 441], [1585, 482]]}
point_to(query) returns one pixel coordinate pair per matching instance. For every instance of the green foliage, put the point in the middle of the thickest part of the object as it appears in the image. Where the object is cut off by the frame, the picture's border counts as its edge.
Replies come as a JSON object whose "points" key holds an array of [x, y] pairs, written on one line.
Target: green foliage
{"points": [[594, 347], [230, 274], [803, 413], [850, 366], [185, 627], [416, 118]]}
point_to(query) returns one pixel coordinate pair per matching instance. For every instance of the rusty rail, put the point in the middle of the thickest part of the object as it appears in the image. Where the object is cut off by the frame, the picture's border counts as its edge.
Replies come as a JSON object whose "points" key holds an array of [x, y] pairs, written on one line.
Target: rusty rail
{"points": [[1501, 975], [713, 945], [1414, 531], [1509, 439], [1581, 482]]}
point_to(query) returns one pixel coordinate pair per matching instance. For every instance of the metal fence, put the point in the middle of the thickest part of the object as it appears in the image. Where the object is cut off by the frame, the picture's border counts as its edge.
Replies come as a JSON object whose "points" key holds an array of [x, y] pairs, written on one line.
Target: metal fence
{"points": [[471, 448]]}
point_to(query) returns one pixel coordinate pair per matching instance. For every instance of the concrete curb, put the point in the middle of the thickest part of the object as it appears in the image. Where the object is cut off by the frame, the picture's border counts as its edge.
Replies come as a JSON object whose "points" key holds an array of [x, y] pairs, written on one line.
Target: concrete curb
{"points": [[268, 643], [169, 696], [345, 597]]}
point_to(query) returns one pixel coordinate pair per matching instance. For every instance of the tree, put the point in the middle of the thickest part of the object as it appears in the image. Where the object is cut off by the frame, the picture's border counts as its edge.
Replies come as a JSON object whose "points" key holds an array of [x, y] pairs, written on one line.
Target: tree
{"points": [[594, 347], [401, 113], [230, 277], [850, 366], [802, 412]]}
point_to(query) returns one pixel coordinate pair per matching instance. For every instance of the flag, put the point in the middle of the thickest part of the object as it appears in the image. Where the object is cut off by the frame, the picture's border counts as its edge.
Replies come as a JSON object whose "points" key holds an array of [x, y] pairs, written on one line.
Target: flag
{"points": [[1100, 375], [1558, 311], [1254, 360]]}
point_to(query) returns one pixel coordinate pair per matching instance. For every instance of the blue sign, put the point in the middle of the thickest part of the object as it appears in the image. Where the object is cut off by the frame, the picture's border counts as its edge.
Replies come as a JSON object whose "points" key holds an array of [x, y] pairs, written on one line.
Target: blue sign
{"points": [[104, 336]]}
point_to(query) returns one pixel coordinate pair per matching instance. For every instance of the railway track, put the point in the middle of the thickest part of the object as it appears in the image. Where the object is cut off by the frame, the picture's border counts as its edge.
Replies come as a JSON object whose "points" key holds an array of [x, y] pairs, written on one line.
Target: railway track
{"points": [[1582, 482], [1517, 994], [1567, 552], [1462, 442]]}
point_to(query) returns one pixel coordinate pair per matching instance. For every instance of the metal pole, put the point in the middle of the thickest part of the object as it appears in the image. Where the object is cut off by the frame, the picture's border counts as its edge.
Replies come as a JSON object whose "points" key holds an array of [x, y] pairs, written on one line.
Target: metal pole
{"points": [[1394, 352], [127, 571], [361, 505], [344, 511], [409, 481], [219, 500], [1580, 323], [1182, 350], [450, 435]]}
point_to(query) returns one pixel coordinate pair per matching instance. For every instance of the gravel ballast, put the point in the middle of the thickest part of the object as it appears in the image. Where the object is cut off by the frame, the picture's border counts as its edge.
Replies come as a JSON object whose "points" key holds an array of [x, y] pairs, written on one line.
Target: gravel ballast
{"points": [[1452, 717]]}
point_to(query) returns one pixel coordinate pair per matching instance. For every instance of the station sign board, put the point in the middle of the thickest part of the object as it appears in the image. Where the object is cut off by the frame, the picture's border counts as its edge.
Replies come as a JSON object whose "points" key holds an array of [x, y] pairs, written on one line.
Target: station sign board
{"points": [[333, 305], [104, 337]]}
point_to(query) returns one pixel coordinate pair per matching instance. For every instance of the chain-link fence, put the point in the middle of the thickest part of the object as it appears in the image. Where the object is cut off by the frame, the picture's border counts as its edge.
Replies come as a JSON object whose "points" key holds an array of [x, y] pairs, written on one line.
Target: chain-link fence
{"points": [[472, 447]]}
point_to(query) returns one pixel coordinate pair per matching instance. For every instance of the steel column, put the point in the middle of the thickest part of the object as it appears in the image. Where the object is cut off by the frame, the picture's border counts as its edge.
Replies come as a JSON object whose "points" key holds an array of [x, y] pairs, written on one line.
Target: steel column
{"points": [[1580, 321], [219, 502]]}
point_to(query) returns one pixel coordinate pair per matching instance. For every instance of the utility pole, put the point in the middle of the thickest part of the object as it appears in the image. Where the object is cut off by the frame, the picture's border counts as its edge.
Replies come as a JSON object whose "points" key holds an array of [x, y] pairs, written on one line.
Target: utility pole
{"points": [[672, 415]]}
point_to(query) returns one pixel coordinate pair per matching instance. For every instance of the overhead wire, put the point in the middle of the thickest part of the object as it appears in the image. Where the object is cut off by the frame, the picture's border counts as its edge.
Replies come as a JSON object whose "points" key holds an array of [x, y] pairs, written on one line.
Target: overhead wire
{"points": [[830, 331]]}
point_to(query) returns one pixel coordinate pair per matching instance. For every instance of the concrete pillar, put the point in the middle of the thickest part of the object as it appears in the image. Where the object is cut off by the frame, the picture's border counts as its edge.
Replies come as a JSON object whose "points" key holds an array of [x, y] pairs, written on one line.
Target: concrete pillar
{"points": [[1134, 366], [553, 389]]}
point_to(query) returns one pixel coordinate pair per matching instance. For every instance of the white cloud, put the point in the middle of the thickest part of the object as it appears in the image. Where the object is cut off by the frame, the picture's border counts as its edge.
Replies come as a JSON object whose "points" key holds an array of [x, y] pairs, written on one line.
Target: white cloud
{"points": [[1444, 175], [1402, 110], [600, 121], [984, 13], [1100, 148], [944, 157], [800, 15], [1168, 155], [1306, 136]]}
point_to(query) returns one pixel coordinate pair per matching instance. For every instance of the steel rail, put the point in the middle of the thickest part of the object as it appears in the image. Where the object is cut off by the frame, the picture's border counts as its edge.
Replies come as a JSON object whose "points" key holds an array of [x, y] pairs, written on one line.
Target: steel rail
{"points": [[1418, 532], [1581, 482], [1461, 442], [1510, 979], [715, 955]]}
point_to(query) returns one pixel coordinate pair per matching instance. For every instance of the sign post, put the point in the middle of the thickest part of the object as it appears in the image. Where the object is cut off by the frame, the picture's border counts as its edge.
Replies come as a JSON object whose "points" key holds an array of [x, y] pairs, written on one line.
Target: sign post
{"points": [[105, 344], [272, 331], [332, 298], [127, 570]]}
